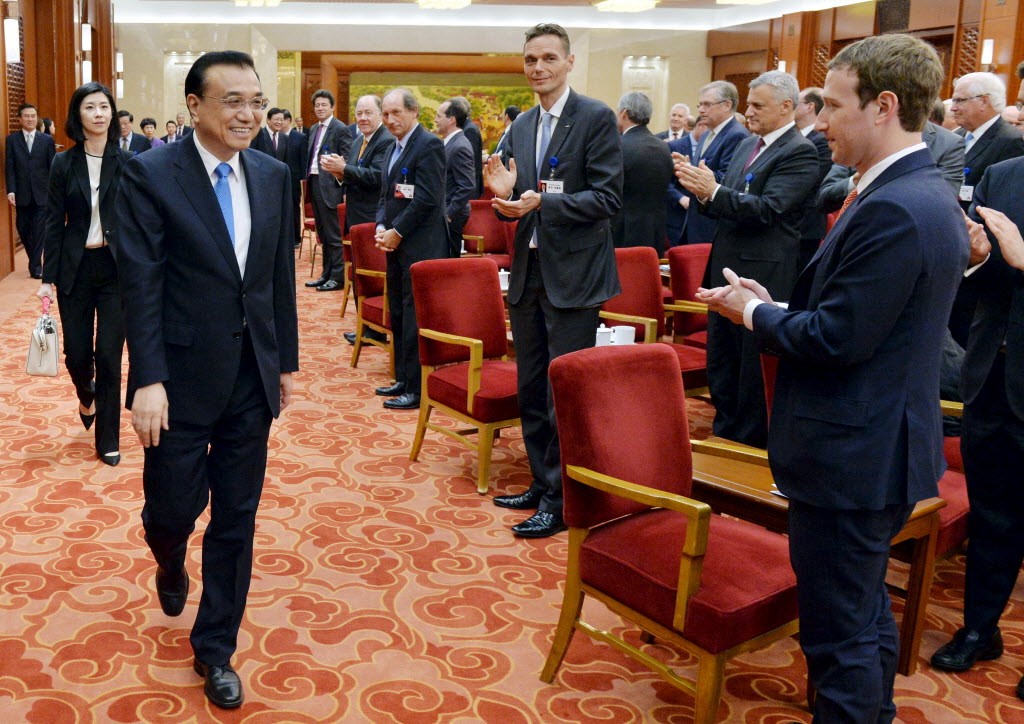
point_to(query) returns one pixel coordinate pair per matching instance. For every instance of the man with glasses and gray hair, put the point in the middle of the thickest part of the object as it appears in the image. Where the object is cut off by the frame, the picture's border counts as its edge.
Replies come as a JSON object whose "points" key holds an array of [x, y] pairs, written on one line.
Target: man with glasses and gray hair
{"points": [[717, 104], [760, 204]]}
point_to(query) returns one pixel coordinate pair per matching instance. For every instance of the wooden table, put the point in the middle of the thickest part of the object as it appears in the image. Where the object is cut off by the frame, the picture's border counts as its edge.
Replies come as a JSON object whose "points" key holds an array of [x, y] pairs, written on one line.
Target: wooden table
{"points": [[743, 490]]}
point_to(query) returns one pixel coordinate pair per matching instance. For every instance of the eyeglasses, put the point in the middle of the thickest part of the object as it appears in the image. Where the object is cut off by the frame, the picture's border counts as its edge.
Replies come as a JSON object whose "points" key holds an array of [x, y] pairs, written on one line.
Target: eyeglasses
{"points": [[1020, 105], [961, 101], [706, 104], [237, 103]]}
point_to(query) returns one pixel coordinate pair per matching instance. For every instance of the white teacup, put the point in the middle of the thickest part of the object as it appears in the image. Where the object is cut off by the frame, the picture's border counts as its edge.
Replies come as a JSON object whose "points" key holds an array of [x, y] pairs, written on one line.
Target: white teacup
{"points": [[623, 334], [503, 279], [604, 336]]}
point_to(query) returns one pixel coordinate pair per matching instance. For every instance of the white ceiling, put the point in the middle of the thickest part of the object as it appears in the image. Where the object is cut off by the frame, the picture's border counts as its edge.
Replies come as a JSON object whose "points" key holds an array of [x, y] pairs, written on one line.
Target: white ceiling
{"points": [[670, 15]]}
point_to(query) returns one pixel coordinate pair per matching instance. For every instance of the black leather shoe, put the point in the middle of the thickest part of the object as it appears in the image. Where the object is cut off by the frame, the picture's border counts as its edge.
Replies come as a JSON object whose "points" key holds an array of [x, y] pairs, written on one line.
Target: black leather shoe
{"points": [[524, 501], [317, 282], [391, 390], [540, 525], [966, 648], [1020, 689], [172, 590], [111, 459], [408, 401], [330, 286], [350, 337], [223, 687]]}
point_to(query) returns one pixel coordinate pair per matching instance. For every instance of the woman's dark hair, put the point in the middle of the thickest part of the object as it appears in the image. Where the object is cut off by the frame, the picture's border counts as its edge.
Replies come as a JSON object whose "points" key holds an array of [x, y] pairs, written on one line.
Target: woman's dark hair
{"points": [[48, 126], [147, 122], [73, 126]]}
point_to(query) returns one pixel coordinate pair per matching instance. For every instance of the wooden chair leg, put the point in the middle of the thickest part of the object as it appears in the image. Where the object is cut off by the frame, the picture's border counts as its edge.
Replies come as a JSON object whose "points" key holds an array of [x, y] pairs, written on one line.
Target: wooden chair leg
{"points": [[345, 292], [710, 677], [391, 355], [421, 427], [572, 604], [646, 637], [312, 257], [485, 443], [358, 346]]}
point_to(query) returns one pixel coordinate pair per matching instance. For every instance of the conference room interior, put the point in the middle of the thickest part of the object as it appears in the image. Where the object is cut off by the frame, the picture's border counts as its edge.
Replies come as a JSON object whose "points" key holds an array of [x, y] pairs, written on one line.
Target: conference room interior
{"points": [[387, 588]]}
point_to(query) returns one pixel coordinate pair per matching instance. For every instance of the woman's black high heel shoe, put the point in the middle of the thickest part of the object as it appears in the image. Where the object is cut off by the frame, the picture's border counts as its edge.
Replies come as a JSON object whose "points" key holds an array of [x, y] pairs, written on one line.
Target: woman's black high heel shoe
{"points": [[87, 420]]}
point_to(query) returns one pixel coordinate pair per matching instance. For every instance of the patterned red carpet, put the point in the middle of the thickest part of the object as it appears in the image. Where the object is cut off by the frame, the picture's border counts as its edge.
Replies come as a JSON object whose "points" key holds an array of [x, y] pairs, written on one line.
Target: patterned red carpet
{"points": [[383, 590]]}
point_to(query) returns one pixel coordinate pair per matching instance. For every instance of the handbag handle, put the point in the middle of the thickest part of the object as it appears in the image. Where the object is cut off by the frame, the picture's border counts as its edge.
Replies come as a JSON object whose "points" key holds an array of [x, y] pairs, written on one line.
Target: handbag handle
{"points": [[46, 305]]}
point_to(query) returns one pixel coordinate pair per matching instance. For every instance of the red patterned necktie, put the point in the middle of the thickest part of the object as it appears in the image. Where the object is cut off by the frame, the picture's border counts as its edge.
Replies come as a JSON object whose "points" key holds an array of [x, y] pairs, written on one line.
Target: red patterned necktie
{"points": [[753, 154], [846, 203]]}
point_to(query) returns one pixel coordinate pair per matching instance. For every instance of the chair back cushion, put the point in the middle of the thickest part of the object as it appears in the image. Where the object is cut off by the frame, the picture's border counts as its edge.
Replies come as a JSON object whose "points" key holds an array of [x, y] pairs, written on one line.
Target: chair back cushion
{"points": [[366, 255], [640, 278], [621, 411], [341, 218], [483, 222], [686, 266], [462, 297]]}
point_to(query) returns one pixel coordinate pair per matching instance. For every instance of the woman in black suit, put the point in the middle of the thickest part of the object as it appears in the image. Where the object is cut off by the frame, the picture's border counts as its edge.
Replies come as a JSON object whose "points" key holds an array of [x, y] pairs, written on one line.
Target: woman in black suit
{"points": [[78, 259]]}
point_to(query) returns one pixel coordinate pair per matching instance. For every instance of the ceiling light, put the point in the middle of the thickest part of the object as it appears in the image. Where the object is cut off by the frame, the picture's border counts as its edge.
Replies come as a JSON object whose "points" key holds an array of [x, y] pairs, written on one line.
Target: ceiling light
{"points": [[743, 2], [12, 41], [257, 3], [442, 4], [626, 6]]}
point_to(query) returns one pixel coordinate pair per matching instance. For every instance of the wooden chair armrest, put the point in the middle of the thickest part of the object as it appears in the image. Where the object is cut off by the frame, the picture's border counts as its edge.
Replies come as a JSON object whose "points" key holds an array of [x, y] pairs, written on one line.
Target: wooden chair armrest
{"points": [[650, 325], [685, 305], [731, 451], [476, 358], [372, 273], [953, 409], [697, 513], [479, 244]]}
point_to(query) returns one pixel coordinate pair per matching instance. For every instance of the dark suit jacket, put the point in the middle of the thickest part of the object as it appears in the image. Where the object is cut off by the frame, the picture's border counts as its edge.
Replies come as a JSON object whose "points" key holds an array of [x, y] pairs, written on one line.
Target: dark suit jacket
{"points": [[185, 300], [675, 215], [419, 220], [999, 314], [499, 147], [297, 154], [362, 176], [475, 140], [261, 142], [1000, 142], [665, 134], [701, 228], [138, 144], [69, 211], [815, 221], [855, 424], [573, 228], [646, 171], [759, 229], [26, 173], [459, 184]]}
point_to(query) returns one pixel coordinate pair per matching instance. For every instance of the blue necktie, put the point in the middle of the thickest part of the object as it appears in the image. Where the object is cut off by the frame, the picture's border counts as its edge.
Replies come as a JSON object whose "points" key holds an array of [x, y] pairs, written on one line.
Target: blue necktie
{"points": [[223, 192], [394, 157], [545, 139], [968, 141]]}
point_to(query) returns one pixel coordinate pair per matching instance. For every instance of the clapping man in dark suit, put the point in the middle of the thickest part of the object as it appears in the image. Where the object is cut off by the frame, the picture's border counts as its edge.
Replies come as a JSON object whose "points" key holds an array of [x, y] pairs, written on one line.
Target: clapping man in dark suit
{"points": [[410, 228], [717, 107], [646, 170], [760, 206], [134, 143], [677, 199], [28, 154], [327, 136], [459, 184], [855, 438], [207, 279], [563, 183]]}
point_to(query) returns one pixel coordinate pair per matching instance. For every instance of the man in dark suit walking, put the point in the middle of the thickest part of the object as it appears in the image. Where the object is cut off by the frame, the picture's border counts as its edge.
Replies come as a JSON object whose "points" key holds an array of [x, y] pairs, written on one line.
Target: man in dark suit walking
{"points": [[327, 136], [459, 184], [992, 439], [646, 170], [717, 107], [760, 206], [134, 143], [28, 154], [563, 183], [410, 228], [856, 437], [207, 279]]}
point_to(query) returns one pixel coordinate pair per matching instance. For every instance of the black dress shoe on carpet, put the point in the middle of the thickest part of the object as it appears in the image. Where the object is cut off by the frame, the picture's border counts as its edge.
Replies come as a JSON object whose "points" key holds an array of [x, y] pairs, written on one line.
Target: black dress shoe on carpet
{"points": [[540, 525], [350, 337], [113, 459], [391, 390], [172, 590], [408, 401], [524, 501], [317, 282], [1020, 689], [223, 687], [966, 648], [330, 286]]}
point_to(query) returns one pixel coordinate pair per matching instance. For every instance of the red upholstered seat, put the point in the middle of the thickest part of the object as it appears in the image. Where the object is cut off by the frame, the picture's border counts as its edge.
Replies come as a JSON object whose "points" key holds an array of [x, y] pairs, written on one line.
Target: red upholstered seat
{"points": [[487, 235], [641, 306], [463, 346], [714, 586], [370, 283], [686, 267], [953, 517]]}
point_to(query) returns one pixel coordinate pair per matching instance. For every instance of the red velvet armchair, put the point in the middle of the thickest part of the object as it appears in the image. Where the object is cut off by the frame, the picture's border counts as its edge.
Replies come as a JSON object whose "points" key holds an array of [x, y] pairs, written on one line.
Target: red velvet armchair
{"points": [[463, 354], [487, 235], [686, 266], [714, 586], [371, 289]]}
